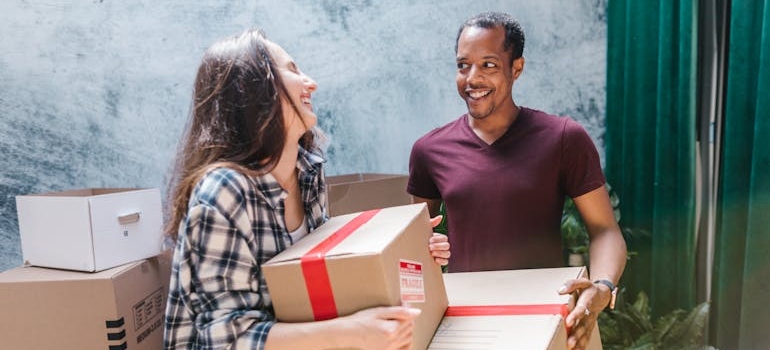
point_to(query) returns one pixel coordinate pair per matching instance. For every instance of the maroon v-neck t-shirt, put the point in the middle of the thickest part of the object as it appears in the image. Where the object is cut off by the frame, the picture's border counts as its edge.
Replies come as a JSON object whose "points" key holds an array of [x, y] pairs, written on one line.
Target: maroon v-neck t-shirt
{"points": [[504, 201]]}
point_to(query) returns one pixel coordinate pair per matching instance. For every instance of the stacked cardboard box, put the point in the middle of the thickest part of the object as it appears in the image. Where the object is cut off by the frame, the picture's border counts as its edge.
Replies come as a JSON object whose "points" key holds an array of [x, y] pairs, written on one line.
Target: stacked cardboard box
{"points": [[90, 229], [352, 193], [118, 308], [95, 274]]}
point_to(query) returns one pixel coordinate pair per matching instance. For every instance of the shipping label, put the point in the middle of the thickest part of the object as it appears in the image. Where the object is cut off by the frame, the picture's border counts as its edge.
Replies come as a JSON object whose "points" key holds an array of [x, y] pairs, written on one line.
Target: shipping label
{"points": [[412, 286]]}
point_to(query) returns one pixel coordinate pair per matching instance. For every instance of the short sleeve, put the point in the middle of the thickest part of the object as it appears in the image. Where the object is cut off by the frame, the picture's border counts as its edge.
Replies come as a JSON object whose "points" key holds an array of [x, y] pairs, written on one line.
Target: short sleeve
{"points": [[581, 170], [420, 182]]}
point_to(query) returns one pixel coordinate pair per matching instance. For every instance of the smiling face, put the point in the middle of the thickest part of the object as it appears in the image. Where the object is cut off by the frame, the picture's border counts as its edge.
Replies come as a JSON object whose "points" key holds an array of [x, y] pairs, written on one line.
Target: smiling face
{"points": [[297, 106], [485, 73]]}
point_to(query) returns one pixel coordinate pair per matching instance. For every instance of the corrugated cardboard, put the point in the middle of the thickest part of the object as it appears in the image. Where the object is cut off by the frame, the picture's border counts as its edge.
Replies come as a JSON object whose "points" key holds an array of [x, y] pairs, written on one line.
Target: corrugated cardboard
{"points": [[90, 229], [531, 294], [119, 308], [385, 261], [354, 193]]}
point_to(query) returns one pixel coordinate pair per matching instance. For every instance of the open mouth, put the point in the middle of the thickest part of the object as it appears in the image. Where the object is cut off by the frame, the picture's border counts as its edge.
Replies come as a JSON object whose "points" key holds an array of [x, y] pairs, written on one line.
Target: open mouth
{"points": [[477, 94], [305, 99]]}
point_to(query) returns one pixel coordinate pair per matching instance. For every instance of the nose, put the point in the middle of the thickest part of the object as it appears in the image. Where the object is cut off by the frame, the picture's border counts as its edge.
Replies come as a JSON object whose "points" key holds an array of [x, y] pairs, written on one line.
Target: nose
{"points": [[310, 84], [474, 75]]}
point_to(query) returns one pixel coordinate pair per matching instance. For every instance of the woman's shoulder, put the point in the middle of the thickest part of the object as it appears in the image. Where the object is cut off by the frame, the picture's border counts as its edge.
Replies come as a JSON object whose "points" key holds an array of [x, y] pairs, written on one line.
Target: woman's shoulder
{"points": [[219, 183]]}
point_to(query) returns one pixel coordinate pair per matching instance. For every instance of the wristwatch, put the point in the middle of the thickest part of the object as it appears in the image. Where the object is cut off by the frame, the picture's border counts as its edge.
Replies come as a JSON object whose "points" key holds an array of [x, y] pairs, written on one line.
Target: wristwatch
{"points": [[613, 291]]}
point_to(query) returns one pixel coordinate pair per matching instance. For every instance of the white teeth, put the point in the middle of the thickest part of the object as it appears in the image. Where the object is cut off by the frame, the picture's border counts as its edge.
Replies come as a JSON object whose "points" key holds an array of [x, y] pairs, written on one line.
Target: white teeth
{"points": [[478, 94], [305, 100]]}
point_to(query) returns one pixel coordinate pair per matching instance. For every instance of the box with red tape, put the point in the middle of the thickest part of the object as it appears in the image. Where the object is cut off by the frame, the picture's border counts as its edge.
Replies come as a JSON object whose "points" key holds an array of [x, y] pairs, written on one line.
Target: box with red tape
{"points": [[378, 257], [513, 309]]}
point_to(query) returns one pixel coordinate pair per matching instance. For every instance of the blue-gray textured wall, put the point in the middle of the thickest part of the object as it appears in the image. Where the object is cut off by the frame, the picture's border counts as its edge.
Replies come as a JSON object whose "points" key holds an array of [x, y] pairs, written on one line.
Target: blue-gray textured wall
{"points": [[95, 93]]}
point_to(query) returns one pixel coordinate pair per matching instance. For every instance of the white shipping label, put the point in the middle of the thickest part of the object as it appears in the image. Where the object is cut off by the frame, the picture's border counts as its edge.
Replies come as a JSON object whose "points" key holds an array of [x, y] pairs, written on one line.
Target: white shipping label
{"points": [[412, 286]]}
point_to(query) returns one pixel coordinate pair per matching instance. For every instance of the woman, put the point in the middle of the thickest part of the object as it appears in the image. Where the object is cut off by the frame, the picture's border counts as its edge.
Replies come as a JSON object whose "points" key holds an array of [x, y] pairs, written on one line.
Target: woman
{"points": [[248, 183]]}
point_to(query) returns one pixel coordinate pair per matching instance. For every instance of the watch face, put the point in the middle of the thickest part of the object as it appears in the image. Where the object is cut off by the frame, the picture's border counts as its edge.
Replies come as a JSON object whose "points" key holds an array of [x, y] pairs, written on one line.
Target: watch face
{"points": [[612, 299]]}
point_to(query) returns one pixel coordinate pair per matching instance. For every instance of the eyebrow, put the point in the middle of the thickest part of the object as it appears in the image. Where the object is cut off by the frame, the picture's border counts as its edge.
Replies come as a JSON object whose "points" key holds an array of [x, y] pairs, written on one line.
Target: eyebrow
{"points": [[488, 57]]}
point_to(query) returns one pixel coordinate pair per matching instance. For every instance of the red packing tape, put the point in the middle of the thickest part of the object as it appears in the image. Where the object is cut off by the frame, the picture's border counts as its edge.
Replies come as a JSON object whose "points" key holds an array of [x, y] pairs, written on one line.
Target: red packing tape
{"points": [[317, 283], [497, 310], [501, 310]]}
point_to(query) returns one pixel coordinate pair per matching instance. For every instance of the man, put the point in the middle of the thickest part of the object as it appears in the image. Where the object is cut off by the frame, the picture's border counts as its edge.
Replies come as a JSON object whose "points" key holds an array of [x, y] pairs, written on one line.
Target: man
{"points": [[503, 172]]}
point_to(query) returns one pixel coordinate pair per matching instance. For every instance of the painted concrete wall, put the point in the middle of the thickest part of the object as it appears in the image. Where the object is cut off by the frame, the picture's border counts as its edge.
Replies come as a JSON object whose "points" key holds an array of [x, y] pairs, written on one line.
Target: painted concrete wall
{"points": [[95, 93]]}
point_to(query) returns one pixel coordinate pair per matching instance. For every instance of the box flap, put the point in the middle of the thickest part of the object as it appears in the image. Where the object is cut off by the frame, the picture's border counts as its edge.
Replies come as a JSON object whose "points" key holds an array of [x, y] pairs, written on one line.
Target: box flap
{"points": [[511, 287], [369, 239], [42, 274]]}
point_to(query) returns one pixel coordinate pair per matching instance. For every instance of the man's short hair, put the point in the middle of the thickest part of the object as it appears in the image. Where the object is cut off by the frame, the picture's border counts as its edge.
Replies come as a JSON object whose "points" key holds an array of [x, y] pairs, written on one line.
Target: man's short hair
{"points": [[514, 35]]}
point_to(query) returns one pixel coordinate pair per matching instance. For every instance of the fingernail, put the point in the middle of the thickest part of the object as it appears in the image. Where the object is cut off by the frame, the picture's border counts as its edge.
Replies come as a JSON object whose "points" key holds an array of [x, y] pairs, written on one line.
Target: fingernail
{"points": [[563, 289]]}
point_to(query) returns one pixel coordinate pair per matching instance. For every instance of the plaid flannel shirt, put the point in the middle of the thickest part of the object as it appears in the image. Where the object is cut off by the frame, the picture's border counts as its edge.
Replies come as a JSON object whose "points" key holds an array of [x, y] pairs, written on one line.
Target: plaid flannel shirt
{"points": [[217, 295]]}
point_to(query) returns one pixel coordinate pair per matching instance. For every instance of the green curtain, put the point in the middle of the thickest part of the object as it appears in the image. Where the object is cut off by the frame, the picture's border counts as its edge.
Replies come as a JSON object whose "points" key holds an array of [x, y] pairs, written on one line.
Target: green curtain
{"points": [[650, 143], [740, 314]]}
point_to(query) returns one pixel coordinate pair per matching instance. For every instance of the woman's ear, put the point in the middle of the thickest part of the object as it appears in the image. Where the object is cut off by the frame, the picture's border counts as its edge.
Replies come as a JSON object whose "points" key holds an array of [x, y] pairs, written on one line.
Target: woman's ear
{"points": [[517, 67]]}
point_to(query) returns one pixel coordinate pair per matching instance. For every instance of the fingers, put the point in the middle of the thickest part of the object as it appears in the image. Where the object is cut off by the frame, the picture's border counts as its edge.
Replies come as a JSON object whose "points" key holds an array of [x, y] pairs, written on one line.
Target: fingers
{"points": [[575, 285], [581, 333], [582, 318], [400, 325], [404, 337], [587, 291], [399, 313], [439, 248], [439, 238], [577, 340], [577, 314], [384, 327], [434, 221]]}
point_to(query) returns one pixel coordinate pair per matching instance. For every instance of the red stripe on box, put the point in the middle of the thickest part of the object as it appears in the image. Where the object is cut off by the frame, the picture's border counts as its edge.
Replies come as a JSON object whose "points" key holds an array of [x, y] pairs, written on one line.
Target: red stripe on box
{"points": [[508, 310], [317, 283], [497, 310]]}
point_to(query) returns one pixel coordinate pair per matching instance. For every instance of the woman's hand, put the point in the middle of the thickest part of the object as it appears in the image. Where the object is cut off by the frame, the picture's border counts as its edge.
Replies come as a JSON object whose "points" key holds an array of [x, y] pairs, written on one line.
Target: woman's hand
{"points": [[439, 244], [377, 328], [387, 328]]}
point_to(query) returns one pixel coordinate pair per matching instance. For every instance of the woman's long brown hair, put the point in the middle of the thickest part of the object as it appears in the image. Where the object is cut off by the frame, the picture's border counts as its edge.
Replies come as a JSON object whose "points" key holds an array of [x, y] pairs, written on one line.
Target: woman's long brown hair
{"points": [[235, 119]]}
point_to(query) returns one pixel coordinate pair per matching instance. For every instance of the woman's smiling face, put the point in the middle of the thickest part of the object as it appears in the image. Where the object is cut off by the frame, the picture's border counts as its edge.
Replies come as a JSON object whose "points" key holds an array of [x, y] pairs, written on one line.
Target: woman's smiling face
{"points": [[299, 88]]}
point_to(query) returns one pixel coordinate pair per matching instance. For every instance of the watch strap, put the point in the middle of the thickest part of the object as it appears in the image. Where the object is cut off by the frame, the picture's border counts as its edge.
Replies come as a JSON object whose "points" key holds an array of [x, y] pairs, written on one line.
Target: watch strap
{"points": [[613, 290]]}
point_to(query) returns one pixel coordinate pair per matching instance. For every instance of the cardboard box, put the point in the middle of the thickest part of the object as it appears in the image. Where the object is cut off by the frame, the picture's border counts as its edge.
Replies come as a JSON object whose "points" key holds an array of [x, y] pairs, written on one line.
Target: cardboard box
{"points": [[358, 261], [119, 308], [90, 229], [354, 193], [514, 309]]}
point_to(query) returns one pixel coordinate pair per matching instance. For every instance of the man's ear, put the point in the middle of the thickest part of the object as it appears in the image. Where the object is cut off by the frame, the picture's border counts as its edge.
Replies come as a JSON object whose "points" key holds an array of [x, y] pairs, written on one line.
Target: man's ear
{"points": [[517, 67]]}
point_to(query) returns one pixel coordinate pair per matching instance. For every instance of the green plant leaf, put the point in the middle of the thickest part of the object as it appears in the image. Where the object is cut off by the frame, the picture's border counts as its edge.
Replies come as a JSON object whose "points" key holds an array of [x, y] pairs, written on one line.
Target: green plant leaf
{"points": [[690, 330], [630, 327]]}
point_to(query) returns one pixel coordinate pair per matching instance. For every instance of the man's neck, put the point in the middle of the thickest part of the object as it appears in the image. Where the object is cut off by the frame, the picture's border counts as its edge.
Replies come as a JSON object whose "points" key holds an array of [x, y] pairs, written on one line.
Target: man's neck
{"points": [[492, 127]]}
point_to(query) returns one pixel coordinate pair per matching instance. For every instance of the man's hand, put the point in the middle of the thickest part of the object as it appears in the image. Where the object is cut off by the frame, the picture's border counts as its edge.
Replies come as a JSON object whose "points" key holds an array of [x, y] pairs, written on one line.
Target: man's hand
{"points": [[439, 244], [591, 301]]}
